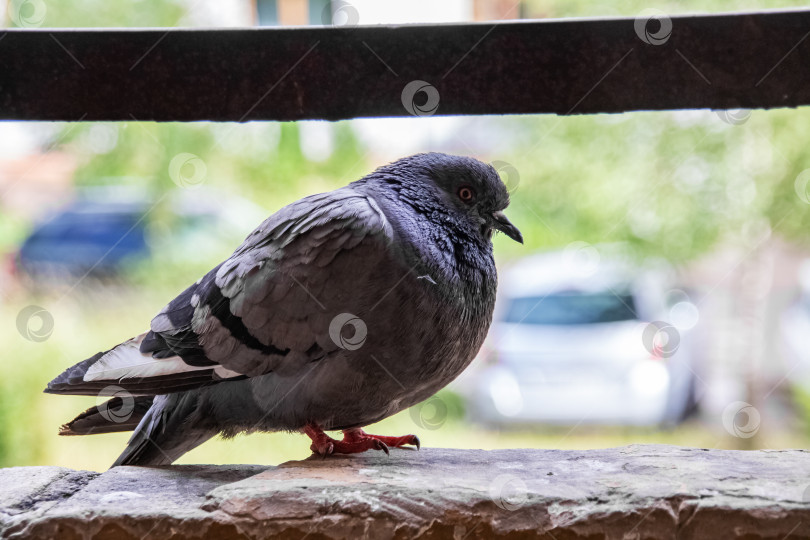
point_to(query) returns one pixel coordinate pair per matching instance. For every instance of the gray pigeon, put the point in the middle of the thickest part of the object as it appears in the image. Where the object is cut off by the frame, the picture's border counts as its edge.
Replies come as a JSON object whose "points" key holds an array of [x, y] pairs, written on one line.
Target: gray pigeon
{"points": [[339, 310]]}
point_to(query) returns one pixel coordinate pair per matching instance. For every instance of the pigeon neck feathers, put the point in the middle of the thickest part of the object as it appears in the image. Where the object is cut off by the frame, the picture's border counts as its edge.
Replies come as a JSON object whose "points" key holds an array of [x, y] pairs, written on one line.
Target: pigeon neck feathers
{"points": [[441, 241]]}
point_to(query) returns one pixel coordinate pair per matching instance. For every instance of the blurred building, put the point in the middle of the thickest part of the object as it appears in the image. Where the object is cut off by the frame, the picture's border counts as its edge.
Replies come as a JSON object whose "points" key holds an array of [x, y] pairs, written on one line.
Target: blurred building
{"points": [[33, 177], [340, 12]]}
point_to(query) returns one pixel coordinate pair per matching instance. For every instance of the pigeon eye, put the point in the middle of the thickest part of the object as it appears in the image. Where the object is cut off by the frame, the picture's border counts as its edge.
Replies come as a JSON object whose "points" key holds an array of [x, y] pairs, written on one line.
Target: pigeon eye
{"points": [[466, 193]]}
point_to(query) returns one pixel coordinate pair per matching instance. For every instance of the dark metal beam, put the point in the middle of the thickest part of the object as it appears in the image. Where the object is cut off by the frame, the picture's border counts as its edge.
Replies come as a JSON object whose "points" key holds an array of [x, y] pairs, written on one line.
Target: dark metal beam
{"points": [[741, 60]]}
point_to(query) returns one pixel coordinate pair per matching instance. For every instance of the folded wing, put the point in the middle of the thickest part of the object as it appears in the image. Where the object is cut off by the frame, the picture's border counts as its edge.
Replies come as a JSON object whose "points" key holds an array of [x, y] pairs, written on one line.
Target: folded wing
{"points": [[262, 310]]}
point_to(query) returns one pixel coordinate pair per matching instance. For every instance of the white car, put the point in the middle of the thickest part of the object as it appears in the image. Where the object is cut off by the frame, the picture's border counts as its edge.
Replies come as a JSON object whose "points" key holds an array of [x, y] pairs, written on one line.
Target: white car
{"points": [[581, 339], [795, 327]]}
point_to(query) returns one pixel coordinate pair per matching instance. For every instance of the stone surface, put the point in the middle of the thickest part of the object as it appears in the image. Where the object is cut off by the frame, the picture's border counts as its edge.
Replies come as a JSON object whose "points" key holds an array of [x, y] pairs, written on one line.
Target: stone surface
{"points": [[634, 492]]}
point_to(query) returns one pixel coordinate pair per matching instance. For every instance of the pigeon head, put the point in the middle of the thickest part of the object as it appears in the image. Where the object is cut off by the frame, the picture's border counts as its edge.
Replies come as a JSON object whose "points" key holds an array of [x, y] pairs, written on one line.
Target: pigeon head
{"points": [[471, 192]]}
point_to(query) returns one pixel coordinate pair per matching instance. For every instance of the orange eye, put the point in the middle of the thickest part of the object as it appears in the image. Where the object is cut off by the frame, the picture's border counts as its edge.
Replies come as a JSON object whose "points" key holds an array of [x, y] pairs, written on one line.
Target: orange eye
{"points": [[466, 194]]}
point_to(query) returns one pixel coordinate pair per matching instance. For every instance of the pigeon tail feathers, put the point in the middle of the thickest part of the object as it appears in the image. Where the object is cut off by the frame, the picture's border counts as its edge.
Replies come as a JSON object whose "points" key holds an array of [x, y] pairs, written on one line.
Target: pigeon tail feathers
{"points": [[121, 413], [172, 426]]}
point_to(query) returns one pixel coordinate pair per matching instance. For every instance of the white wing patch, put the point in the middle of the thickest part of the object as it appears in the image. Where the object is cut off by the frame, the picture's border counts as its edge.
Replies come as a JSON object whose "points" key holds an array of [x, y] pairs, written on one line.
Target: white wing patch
{"points": [[126, 361]]}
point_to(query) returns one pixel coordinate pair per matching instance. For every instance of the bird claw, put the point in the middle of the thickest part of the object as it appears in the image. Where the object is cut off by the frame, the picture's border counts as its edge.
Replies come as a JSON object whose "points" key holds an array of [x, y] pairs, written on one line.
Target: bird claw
{"points": [[355, 441], [322, 450], [379, 445], [358, 435]]}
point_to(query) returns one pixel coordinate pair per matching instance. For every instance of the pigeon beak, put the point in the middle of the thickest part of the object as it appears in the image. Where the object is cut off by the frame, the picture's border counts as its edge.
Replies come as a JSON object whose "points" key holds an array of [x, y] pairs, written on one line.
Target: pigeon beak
{"points": [[502, 223]]}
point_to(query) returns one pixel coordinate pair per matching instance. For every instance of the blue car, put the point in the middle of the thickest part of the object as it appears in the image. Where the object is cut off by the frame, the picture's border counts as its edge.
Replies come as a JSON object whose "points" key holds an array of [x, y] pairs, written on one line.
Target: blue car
{"points": [[86, 237]]}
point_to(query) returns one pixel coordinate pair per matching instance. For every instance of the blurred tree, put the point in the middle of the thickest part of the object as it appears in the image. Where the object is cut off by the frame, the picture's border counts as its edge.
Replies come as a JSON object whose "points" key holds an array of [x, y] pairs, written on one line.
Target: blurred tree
{"points": [[97, 13], [669, 184]]}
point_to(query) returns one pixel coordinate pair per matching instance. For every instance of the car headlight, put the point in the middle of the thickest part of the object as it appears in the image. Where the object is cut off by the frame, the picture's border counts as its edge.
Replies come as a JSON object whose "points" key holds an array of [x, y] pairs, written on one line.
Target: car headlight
{"points": [[649, 377], [505, 393]]}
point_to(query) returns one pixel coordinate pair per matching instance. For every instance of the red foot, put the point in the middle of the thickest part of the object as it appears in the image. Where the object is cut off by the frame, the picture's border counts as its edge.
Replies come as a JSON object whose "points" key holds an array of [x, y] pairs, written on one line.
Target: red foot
{"points": [[354, 441]]}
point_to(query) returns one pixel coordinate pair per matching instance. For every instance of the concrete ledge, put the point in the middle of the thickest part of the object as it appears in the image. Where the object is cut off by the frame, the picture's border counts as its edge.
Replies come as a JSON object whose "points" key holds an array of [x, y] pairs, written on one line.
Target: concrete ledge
{"points": [[635, 492]]}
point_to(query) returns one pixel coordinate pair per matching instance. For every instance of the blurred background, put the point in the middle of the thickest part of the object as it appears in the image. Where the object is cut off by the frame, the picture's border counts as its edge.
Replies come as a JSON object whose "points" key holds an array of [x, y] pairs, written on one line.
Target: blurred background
{"points": [[662, 294]]}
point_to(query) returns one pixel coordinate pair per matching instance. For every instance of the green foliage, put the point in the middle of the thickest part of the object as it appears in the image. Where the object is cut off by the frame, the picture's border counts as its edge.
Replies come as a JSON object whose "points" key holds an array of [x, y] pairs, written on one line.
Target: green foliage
{"points": [[258, 160], [669, 184], [101, 13], [630, 8]]}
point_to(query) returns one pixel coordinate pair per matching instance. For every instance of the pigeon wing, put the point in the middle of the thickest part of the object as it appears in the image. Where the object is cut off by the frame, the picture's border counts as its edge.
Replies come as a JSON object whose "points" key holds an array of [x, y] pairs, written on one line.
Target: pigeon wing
{"points": [[265, 309]]}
